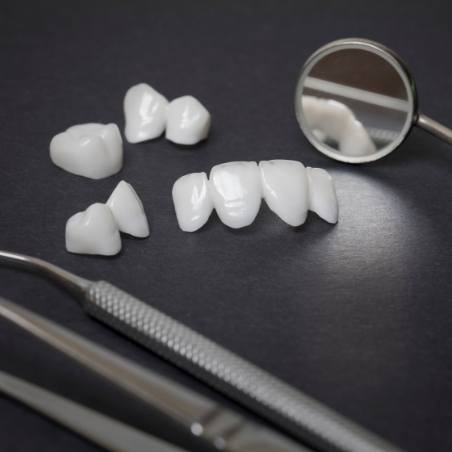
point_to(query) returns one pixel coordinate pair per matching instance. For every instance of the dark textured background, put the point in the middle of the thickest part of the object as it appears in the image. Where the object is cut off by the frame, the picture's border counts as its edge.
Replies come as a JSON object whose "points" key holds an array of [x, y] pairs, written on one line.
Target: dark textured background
{"points": [[357, 315]]}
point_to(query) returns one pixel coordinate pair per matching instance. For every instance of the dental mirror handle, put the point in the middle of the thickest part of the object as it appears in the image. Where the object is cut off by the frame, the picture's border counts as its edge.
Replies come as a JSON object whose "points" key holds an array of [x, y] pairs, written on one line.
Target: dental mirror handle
{"points": [[293, 411], [434, 127]]}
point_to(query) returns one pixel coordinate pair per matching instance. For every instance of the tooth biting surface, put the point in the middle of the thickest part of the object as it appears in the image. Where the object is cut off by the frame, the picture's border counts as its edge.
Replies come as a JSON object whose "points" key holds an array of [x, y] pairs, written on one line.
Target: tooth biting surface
{"points": [[285, 189], [90, 150], [236, 192], [192, 201], [128, 210], [93, 231], [145, 112], [188, 121], [322, 194]]}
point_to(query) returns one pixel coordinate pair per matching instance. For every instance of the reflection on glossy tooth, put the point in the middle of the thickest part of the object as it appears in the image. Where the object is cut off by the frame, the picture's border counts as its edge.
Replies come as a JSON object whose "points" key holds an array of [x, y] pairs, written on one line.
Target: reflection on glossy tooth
{"points": [[145, 112], [192, 201], [236, 192], [322, 194], [326, 115], [93, 231], [188, 121], [90, 150], [355, 140], [128, 210], [285, 189], [332, 120]]}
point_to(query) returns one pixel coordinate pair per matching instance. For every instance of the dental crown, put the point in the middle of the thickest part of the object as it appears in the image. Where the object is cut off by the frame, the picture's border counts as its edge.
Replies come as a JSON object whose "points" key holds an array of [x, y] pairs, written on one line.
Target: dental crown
{"points": [[235, 191]]}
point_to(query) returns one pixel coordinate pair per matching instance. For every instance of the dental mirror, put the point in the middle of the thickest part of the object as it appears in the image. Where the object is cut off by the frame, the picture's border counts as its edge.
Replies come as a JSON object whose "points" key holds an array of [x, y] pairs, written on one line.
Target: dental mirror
{"points": [[356, 101]]}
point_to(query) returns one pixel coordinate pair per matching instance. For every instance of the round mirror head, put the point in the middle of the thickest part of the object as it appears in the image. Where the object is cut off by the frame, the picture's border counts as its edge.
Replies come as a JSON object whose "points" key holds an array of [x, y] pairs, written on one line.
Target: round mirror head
{"points": [[355, 100]]}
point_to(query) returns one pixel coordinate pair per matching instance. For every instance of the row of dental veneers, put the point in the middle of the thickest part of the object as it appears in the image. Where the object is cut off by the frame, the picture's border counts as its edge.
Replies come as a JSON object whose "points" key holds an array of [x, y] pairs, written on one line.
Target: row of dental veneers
{"points": [[235, 190]]}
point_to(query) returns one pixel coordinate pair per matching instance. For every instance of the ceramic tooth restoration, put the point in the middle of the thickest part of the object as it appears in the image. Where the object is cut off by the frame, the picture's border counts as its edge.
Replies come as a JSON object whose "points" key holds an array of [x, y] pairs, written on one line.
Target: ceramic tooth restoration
{"points": [[93, 231], [330, 119], [145, 113], [90, 150], [236, 192], [285, 189], [128, 210], [188, 121], [322, 195], [192, 201]]}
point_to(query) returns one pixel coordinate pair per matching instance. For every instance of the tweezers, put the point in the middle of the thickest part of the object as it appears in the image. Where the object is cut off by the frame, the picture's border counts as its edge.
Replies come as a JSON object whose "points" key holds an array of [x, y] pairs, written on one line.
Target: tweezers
{"points": [[216, 425], [300, 415], [98, 428]]}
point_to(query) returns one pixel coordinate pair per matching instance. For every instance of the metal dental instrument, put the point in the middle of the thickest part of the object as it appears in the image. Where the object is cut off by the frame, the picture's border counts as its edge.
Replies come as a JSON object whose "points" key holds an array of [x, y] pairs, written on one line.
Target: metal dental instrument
{"points": [[202, 417], [293, 411], [98, 428]]}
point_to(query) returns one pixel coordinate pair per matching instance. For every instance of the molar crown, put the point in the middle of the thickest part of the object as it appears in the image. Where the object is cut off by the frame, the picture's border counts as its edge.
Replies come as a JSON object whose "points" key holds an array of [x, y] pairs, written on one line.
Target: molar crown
{"points": [[235, 190], [89, 150]]}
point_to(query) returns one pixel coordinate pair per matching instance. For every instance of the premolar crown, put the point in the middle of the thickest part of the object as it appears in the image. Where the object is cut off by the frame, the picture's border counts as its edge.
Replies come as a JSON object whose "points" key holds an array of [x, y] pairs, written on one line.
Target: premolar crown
{"points": [[235, 189], [145, 113], [128, 210], [188, 121]]}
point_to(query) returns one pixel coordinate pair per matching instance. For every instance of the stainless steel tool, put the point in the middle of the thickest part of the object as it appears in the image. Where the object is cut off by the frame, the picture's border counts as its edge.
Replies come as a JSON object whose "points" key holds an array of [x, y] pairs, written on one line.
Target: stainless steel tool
{"points": [[98, 428], [251, 386], [202, 417]]}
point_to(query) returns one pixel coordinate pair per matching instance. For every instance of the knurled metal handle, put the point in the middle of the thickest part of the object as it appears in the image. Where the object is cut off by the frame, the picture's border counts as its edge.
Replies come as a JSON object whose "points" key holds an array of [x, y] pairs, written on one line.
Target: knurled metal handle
{"points": [[251, 386]]}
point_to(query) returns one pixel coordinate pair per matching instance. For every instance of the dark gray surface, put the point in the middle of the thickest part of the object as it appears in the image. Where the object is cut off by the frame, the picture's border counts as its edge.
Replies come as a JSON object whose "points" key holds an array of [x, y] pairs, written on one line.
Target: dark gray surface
{"points": [[357, 315]]}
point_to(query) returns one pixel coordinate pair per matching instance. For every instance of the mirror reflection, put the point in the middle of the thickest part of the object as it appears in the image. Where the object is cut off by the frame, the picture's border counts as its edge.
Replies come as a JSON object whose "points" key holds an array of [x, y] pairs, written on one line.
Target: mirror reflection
{"points": [[354, 102]]}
